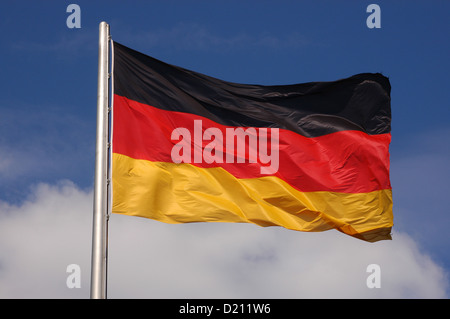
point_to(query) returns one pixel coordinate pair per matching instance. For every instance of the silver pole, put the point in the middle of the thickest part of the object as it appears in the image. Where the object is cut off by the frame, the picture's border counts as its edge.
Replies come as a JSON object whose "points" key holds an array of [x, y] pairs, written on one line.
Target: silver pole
{"points": [[100, 222]]}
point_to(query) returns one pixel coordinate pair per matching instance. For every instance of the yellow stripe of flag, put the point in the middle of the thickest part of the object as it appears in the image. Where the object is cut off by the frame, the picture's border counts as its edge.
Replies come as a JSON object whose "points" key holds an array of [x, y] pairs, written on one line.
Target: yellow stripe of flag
{"points": [[184, 193]]}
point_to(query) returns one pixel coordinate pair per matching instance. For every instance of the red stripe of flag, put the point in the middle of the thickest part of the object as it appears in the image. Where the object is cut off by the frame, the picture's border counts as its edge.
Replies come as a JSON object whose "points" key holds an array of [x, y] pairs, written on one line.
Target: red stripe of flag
{"points": [[346, 161]]}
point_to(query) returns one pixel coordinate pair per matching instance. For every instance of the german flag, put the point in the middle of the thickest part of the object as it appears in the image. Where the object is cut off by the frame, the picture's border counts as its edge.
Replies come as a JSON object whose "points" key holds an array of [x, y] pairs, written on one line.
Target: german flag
{"points": [[187, 147]]}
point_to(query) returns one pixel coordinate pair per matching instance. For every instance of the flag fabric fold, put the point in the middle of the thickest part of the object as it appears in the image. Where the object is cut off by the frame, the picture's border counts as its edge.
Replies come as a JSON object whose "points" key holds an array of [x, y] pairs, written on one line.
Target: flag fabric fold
{"points": [[187, 147]]}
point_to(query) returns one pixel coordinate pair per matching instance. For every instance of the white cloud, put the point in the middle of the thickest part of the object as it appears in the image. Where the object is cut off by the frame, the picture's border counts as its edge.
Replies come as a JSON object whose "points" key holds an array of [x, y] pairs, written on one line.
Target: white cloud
{"points": [[148, 259], [40, 238]]}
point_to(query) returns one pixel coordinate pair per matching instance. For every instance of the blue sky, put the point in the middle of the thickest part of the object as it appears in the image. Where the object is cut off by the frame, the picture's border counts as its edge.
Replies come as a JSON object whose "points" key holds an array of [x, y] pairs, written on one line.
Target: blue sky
{"points": [[47, 137]]}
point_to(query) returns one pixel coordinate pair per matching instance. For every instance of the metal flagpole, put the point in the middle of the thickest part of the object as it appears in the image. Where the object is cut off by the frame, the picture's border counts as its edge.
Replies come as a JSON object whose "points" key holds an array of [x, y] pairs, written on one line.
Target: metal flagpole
{"points": [[100, 222]]}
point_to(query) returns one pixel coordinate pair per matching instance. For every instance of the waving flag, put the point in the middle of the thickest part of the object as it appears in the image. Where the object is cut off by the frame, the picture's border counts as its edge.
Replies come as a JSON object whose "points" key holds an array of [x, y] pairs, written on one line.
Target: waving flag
{"points": [[191, 148]]}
